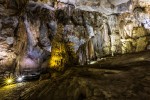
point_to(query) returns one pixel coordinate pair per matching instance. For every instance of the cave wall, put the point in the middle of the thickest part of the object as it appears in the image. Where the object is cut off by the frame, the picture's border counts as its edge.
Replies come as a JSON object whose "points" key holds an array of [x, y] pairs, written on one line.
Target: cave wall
{"points": [[24, 35], [102, 34], [92, 30], [7, 39]]}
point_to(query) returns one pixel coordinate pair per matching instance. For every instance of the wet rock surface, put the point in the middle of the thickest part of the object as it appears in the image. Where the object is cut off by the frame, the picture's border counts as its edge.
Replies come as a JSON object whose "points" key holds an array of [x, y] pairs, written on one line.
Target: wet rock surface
{"points": [[121, 77]]}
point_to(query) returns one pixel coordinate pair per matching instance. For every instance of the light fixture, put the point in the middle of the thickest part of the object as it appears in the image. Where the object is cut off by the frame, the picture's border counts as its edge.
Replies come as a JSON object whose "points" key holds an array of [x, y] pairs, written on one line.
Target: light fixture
{"points": [[92, 62], [20, 78], [9, 80]]}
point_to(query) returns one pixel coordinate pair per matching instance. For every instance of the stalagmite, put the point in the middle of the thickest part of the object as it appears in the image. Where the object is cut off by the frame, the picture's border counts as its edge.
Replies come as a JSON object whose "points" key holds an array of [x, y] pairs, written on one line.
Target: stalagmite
{"points": [[106, 38], [91, 50]]}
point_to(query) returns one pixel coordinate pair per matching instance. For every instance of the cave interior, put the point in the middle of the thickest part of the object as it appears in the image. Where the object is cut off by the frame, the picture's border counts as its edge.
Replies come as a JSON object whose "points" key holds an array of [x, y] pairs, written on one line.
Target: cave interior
{"points": [[75, 49]]}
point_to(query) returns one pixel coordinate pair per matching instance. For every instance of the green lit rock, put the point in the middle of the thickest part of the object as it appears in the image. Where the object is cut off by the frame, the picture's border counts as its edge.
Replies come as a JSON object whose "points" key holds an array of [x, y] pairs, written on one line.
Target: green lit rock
{"points": [[107, 50], [139, 32], [141, 44], [115, 43], [127, 46]]}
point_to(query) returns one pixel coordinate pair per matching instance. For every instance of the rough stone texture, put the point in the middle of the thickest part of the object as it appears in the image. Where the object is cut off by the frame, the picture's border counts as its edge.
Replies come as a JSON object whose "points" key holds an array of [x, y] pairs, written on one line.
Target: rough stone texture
{"points": [[121, 77], [90, 30], [95, 28], [141, 44], [7, 53], [100, 28]]}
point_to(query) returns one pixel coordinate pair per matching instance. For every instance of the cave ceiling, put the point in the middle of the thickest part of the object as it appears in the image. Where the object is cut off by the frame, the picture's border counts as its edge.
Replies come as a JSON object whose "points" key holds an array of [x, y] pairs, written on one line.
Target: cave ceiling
{"points": [[103, 6], [108, 7]]}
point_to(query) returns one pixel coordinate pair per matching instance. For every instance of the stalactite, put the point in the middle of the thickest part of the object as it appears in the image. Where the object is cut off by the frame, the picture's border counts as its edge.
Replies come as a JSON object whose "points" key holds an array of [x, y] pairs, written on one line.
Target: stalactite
{"points": [[98, 42], [90, 30], [31, 41], [113, 23], [21, 44], [106, 38], [44, 35]]}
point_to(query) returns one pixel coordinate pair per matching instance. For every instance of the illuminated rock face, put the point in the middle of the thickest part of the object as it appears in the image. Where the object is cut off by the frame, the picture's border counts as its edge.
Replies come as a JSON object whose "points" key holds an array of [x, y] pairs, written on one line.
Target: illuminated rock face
{"points": [[93, 28], [59, 57]]}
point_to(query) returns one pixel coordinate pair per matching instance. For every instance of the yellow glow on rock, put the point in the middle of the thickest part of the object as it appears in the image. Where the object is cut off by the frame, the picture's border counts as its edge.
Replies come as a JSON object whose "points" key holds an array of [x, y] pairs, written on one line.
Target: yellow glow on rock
{"points": [[62, 54], [59, 56]]}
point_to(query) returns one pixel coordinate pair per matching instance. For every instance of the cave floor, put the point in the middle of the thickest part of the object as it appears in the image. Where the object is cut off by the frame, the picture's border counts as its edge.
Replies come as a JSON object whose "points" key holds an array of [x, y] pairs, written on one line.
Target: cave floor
{"points": [[123, 77]]}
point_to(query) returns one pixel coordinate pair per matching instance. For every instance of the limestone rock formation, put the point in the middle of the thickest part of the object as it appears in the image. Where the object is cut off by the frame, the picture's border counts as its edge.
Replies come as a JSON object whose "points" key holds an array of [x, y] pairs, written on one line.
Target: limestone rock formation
{"points": [[93, 29]]}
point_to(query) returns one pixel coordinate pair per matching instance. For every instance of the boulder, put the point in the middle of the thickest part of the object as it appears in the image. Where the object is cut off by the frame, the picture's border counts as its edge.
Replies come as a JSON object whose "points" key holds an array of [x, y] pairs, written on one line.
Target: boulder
{"points": [[141, 44], [139, 32]]}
